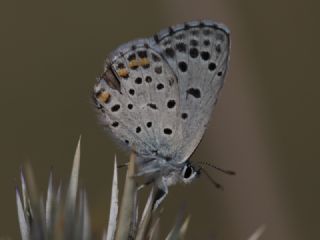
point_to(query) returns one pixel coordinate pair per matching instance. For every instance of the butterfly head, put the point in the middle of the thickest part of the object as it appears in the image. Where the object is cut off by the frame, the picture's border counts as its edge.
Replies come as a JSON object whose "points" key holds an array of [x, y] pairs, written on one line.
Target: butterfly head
{"points": [[169, 173]]}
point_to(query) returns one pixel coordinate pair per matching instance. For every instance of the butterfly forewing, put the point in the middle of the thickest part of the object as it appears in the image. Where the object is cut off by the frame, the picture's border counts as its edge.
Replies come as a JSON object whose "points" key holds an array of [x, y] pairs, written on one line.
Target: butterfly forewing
{"points": [[198, 54]]}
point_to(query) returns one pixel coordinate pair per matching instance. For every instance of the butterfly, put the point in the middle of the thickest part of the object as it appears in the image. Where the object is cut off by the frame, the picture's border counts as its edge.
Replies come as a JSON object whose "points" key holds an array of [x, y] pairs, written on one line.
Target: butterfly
{"points": [[156, 96]]}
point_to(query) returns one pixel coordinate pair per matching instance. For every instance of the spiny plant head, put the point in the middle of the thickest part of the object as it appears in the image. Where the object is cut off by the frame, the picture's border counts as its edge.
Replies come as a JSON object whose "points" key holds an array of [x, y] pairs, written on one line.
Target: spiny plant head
{"points": [[66, 215]]}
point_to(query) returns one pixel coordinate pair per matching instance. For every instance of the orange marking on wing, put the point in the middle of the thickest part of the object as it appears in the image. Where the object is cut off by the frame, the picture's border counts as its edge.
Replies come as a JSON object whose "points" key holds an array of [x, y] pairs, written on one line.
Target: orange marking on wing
{"points": [[144, 61], [104, 97], [134, 63], [123, 73]]}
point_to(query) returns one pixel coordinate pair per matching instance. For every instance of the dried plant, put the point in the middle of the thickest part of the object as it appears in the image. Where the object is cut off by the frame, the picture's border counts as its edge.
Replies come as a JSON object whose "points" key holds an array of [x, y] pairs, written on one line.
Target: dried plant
{"points": [[66, 216]]}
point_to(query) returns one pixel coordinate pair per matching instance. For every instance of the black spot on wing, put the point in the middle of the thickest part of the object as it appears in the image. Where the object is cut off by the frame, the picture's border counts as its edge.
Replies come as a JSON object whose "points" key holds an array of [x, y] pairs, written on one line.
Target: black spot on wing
{"points": [[148, 79], [138, 129], [206, 42], [183, 66], [212, 66], [171, 103], [169, 52], [138, 80], [167, 131], [131, 57], [131, 91], [193, 42], [155, 57], [142, 54], [160, 86], [184, 115], [205, 56], [152, 106], [195, 92], [193, 52], [158, 69], [181, 47], [115, 124], [115, 108]]}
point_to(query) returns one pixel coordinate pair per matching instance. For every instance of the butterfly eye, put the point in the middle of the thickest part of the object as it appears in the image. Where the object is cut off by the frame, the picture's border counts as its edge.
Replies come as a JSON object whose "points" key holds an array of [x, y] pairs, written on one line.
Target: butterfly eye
{"points": [[187, 172]]}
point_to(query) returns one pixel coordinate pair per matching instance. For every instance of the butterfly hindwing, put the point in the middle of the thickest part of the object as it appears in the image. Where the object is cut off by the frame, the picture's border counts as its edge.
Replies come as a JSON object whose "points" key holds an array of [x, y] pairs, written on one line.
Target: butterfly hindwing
{"points": [[142, 99]]}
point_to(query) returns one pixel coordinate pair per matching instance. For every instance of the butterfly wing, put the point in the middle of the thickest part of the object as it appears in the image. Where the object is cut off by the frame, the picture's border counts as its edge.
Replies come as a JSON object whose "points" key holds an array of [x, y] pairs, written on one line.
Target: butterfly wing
{"points": [[198, 54], [138, 97], [156, 95]]}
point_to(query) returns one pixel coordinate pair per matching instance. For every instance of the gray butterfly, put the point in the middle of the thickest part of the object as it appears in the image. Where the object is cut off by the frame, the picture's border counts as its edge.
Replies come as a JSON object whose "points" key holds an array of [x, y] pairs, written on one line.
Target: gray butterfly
{"points": [[156, 95]]}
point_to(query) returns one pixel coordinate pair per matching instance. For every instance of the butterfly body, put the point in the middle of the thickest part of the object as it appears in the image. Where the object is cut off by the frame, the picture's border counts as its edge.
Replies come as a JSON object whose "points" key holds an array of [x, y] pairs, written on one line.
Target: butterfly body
{"points": [[156, 96]]}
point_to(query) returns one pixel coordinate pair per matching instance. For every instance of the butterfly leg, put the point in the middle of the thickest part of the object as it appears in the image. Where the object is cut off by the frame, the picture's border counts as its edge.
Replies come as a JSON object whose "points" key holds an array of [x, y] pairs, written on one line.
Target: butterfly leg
{"points": [[161, 193]]}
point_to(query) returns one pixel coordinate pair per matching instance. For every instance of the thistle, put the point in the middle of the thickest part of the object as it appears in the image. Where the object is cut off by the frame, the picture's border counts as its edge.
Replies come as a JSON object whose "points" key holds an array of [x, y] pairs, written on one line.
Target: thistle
{"points": [[66, 216]]}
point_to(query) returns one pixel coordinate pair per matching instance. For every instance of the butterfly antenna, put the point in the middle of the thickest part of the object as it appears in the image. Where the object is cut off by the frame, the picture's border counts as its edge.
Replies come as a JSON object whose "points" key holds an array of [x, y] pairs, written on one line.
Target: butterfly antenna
{"points": [[229, 172], [214, 182]]}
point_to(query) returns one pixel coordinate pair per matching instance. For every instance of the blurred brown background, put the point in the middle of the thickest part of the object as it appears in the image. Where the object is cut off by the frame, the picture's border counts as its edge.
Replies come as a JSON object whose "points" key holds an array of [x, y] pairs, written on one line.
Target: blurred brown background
{"points": [[266, 125]]}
